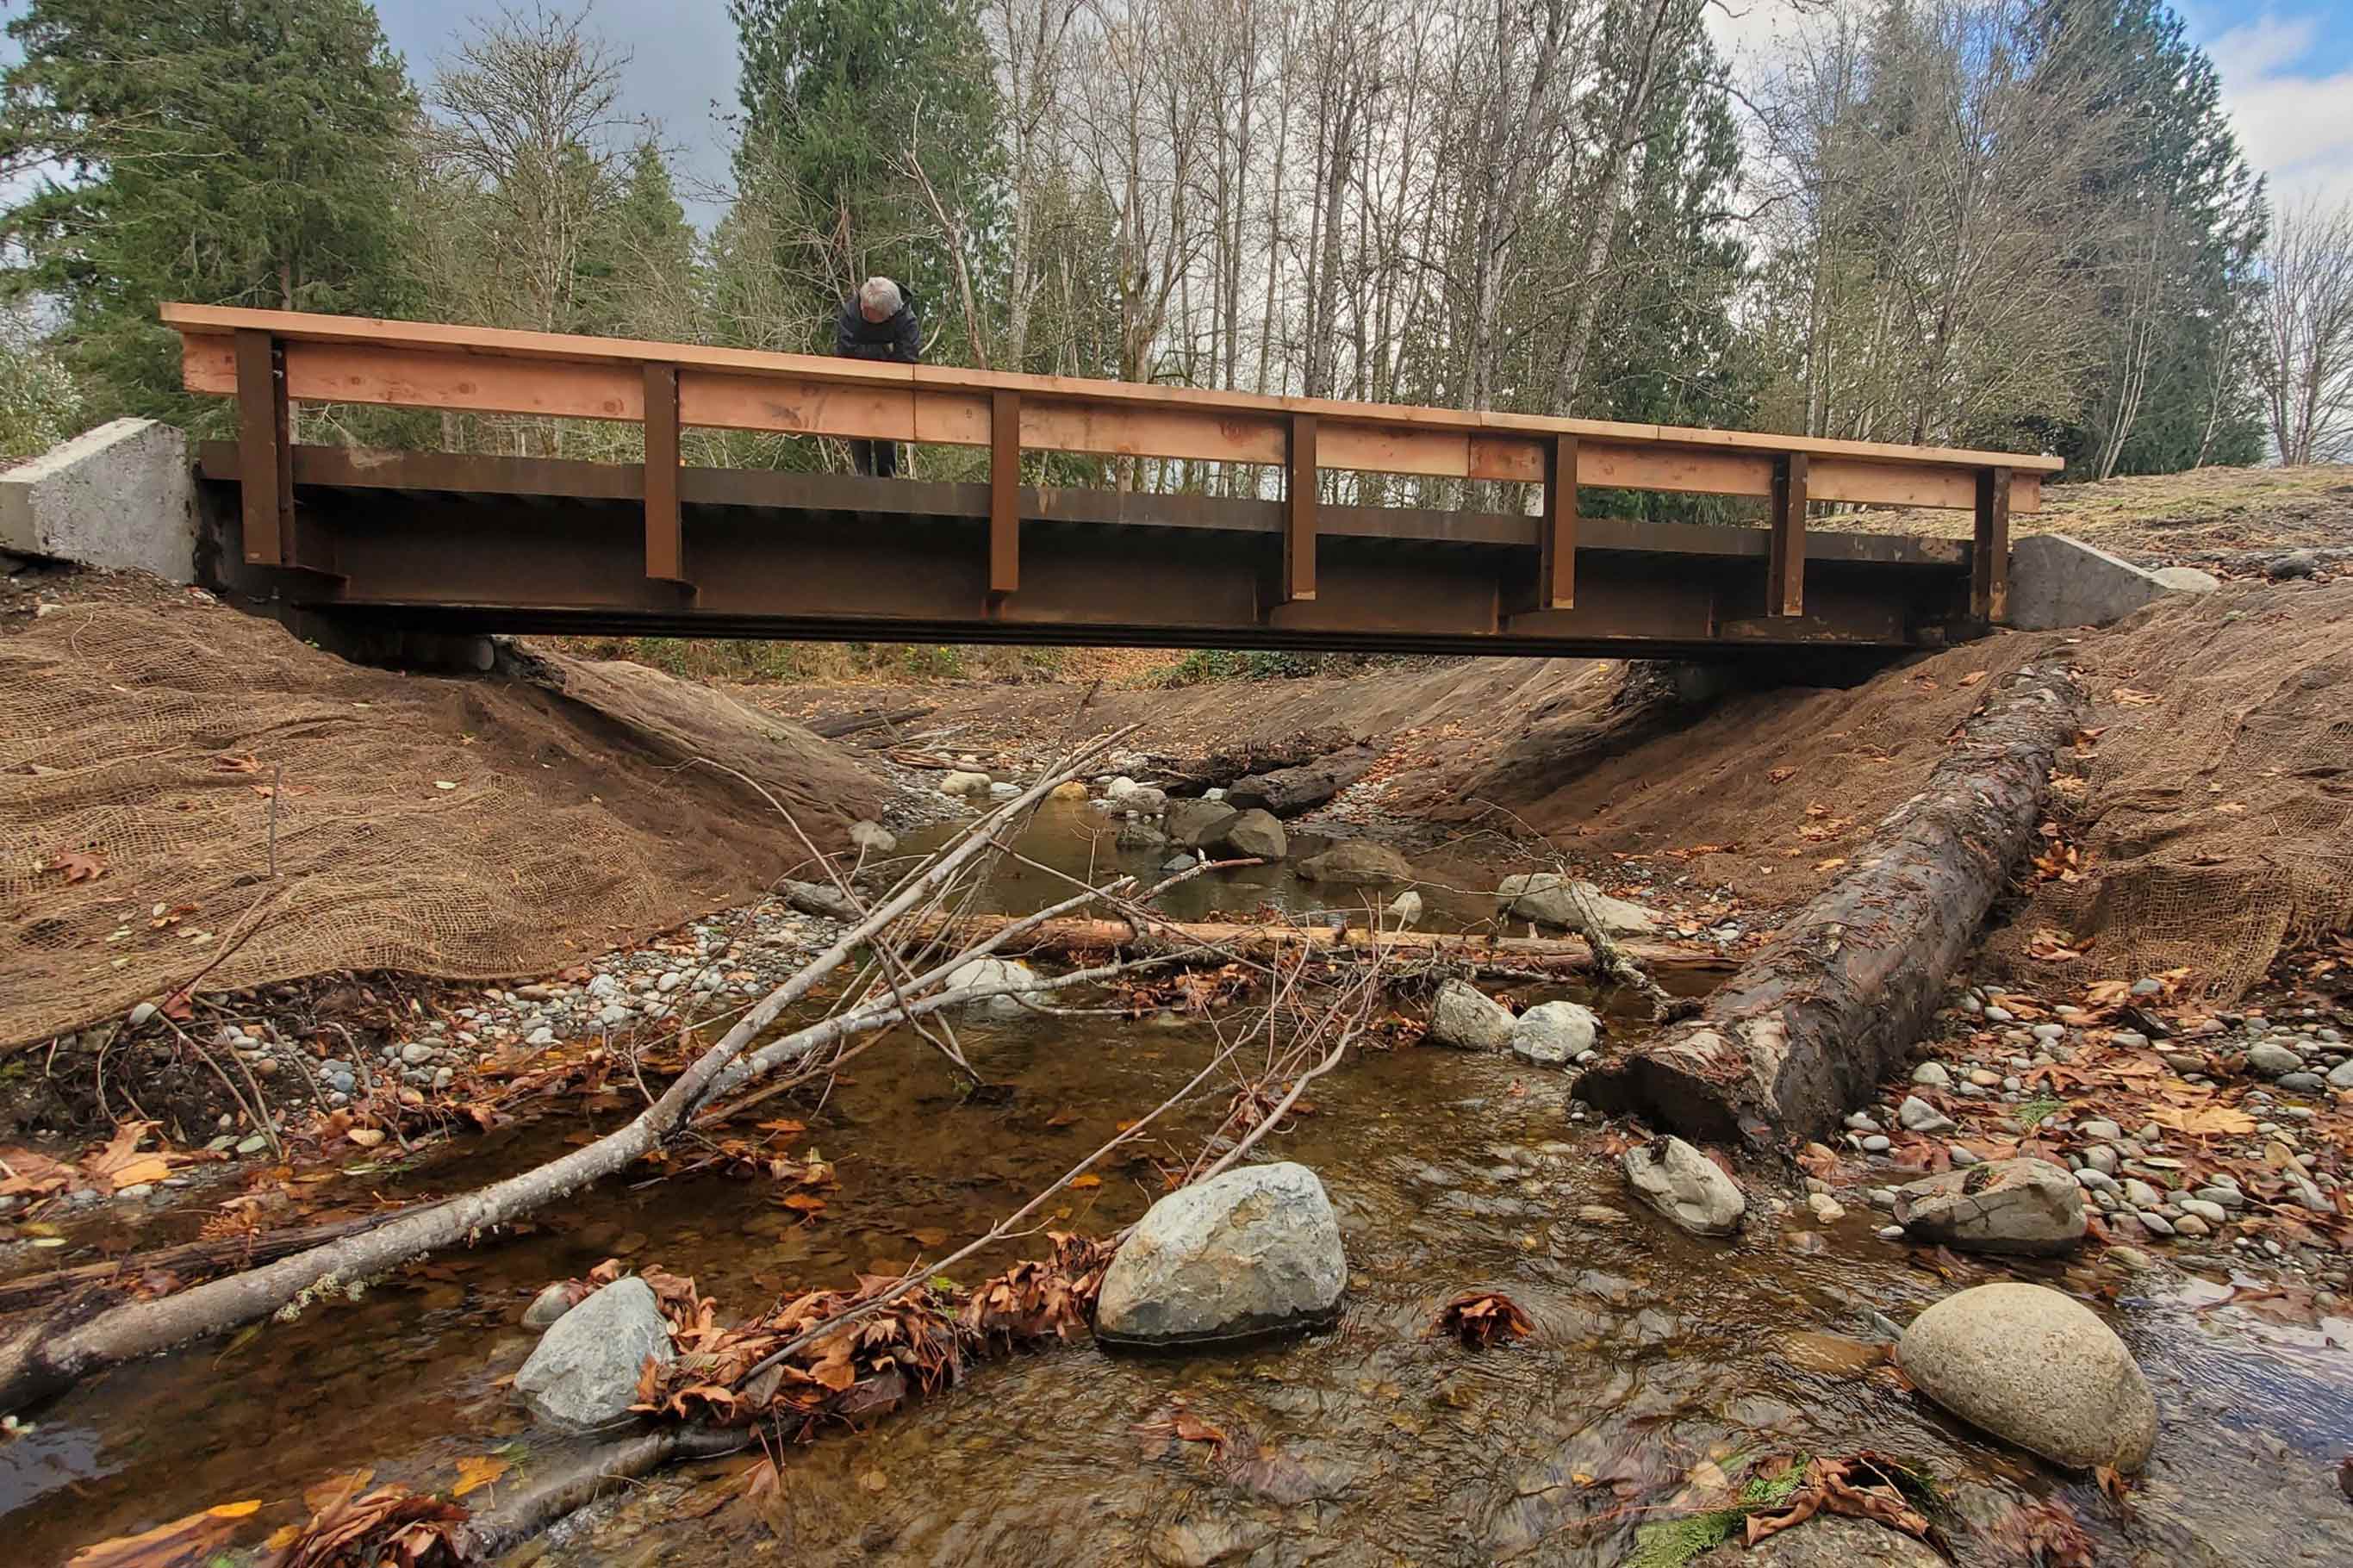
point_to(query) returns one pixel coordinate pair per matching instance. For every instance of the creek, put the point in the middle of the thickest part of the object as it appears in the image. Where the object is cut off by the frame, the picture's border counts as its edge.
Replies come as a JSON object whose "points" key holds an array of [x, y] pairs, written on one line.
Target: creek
{"points": [[1658, 1361]]}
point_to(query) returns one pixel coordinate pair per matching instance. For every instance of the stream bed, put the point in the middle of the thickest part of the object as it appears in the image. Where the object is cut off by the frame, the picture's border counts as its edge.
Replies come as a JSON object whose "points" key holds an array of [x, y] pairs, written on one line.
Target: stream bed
{"points": [[1658, 1362]]}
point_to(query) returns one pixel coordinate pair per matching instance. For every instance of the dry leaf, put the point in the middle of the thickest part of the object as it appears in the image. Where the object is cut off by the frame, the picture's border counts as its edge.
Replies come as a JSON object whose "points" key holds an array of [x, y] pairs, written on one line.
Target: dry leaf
{"points": [[184, 1540], [478, 1470], [80, 865], [1089, 1180]]}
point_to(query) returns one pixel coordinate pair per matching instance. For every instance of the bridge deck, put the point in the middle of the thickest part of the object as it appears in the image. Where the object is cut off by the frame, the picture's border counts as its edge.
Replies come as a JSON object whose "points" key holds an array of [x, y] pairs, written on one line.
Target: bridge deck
{"points": [[443, 541]]}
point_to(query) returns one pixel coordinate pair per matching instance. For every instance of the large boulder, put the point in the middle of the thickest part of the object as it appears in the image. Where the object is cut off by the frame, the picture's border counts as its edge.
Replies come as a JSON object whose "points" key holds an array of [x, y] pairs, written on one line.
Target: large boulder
{"points": [[1009, 973], [1256, 832], [1134, 833], [1686, 1186], [2024, 1206], [1555, 1033], [1549, 899], [1467, 1018], [960, 781], [584, 1373], [1287, 792], [1191, 824], [1355, 862], [1251, 1252], [2034, 1368]]}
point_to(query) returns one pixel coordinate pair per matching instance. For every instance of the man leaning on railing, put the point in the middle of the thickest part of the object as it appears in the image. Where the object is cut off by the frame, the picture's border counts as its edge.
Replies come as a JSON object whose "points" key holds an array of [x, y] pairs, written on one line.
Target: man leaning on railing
{"points": [[878, 322]]}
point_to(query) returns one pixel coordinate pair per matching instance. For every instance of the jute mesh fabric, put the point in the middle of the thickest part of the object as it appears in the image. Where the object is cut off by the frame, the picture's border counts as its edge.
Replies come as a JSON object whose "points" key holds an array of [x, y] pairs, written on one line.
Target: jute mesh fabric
{"points": [[2218, 827], [467, 828]]}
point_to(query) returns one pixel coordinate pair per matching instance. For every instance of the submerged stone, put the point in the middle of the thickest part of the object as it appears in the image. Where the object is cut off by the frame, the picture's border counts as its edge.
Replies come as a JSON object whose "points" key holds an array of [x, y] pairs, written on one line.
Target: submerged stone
{"points": [[1254, 1251]]}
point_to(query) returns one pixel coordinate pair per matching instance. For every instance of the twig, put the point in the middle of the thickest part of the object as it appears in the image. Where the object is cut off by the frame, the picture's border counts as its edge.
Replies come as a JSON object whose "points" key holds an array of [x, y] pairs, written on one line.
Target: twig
{"points": [[277, 793]]}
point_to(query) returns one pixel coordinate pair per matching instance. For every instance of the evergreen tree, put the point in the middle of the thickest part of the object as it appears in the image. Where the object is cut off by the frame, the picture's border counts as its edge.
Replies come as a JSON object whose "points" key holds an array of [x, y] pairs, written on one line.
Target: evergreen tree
{"points": [[225, 152], [640, 274]]}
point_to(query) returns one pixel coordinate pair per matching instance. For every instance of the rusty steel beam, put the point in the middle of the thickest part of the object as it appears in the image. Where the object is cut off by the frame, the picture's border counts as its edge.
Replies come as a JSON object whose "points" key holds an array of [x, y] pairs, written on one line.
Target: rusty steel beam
{"points": [[665, 527], [525, 544], [1989, 553], [1785, 573]]}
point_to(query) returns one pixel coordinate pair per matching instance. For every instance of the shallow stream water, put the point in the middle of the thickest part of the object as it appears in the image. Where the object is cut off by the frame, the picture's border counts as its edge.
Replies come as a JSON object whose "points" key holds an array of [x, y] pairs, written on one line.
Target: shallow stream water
{"points": [[1657, 1364]]}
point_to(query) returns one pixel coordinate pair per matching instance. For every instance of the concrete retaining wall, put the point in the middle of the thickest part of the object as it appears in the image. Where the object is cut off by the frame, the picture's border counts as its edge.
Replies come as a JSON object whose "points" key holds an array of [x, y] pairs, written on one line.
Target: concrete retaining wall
{"points": [[120, 496], [2056, 581]]}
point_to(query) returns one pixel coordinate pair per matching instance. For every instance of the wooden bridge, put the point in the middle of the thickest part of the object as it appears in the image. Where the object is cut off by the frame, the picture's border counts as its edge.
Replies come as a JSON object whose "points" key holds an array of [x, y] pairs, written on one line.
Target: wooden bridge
{"points": [[448, 541]]}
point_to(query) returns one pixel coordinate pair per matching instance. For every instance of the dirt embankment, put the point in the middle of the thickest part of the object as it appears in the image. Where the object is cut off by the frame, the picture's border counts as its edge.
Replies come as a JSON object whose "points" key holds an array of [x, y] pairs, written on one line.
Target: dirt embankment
{"points": [[185, 788]]}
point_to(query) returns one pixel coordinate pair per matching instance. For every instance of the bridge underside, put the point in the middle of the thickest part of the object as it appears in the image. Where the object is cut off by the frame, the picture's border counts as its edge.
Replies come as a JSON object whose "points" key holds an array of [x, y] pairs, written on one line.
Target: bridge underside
{"points": [[433, 542]]}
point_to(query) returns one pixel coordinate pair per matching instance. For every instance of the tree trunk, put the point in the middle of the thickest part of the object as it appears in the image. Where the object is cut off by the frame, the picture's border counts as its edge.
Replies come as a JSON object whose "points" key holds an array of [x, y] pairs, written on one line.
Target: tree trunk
{"points": [[1809, 1026]]}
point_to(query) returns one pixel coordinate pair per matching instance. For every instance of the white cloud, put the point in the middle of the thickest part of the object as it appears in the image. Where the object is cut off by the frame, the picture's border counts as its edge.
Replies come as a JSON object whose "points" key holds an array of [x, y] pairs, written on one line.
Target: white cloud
{"points": [[2293, 114]]}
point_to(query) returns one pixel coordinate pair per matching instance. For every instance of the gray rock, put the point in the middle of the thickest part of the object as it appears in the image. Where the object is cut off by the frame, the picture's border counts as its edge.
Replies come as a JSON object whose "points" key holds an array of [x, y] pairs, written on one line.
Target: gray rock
{"points": [[417, 1055], [2037, 1369], [1877, 1144], [2140, 1194], [1008, 972], [1918, 1116], [142, 1013], [1466, 1017], [1549, 899], [1138, 834], [872, 839], [1144, 800], [584, 1374], [1829, 1540], [1552, 1034], [2206, 1209], [2222, 1197], [958, 781], [547, 1306], [2295, 564], [1191, 824], [1003, 791], [1964, 1157], [2341, 1075], [2302, 1082], [2100, 1128], [1251, 1252], [1175, 863], [1256, 832], [1686, 1186], [1355, 862], [2271, 1058], [2027, 1206], [1932, 1074]]}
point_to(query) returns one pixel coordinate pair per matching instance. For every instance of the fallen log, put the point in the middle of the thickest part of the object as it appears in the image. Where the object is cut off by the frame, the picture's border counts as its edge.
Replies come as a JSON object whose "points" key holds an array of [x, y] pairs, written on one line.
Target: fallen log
{"points": [[226, 1253], [1807, 1028], [856, 723], [1064, 938]]}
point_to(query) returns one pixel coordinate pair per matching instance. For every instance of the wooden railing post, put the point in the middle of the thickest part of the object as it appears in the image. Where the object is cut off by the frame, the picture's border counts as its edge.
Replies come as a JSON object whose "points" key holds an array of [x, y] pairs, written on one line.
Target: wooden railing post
{"points": [[1785, 577], [665, 530], [265, 449], [1556, 531], [1004, 495], [1299, 511], [1990, 560]]}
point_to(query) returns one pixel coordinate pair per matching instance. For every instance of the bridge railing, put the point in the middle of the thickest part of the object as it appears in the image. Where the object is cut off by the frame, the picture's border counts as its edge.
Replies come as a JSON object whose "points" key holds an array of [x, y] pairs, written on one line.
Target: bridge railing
{"points": [[266, 358]]}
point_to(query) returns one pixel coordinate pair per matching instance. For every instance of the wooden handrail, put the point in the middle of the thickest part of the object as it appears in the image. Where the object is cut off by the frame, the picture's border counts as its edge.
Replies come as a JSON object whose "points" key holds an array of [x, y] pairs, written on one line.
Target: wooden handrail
{"points": [[341, 359]]}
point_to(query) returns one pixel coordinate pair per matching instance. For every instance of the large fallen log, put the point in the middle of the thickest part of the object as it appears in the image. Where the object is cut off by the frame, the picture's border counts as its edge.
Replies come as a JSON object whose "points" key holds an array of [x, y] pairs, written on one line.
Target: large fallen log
{"points": [[1809, 1025], [1549, 955]]}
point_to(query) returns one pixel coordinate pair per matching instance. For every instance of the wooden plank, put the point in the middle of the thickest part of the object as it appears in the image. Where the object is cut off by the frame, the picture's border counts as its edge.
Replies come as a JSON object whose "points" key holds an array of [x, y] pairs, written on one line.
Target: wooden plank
{"points": [[1785, 573], [265, 450], [1299, 513], [1556, 528], [1004, 495], [1989, 554], [665, 533], [461, 341]]}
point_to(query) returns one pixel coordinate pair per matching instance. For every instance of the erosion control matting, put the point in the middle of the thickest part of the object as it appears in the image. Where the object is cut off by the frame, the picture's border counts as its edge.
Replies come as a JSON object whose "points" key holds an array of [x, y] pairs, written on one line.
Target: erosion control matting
{"points": [[471, 829]]}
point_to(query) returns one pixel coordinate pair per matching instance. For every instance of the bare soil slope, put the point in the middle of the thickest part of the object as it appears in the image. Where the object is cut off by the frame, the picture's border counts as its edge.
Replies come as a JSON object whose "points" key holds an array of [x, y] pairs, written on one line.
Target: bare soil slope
{"points": [[470, 828]]}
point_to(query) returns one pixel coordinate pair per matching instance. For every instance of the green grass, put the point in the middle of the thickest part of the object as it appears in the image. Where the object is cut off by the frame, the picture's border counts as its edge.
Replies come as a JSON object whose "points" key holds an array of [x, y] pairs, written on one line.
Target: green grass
{"points": [[1671, 1542]]}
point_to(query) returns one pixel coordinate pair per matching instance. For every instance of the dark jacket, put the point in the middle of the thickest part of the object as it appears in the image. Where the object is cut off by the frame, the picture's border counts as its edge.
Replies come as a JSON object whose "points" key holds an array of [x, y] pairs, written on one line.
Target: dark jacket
{"points": [[898, 340]]}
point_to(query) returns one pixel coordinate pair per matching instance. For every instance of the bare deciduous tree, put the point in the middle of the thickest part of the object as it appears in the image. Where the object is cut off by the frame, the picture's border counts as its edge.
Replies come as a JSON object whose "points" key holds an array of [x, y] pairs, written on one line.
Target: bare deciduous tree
{"points": [[2307, 322]]}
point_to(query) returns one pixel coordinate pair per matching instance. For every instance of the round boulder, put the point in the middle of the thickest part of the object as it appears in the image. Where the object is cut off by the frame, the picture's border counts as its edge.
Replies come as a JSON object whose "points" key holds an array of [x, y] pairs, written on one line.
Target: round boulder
{"points": [[1469, 1019], [2037, 1369], [1254, 1251], [1256, 832], [1191, 824], [2025, 1207], [1554, 1034]]}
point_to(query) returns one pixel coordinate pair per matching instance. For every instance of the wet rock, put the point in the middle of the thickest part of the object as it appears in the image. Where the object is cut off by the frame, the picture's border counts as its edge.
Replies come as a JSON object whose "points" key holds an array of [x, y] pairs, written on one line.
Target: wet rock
{"points": [[1355, 862], [1686, 1186], [1550, 899], [2019, 1206], [2034, 1368], [1554, 1033], [957, 781], [1191, 824], [1256, 832], [873, 839], [1829, 1540], [1469, 1019], [547, 1306], [1176, 863], [1251, 1252], [584, 1373], [1008, 972], [1138, 834], [1144, 800]]}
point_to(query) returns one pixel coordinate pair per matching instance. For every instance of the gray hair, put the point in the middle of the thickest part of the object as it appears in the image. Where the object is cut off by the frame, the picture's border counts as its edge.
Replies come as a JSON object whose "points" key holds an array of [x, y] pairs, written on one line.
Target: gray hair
{"points": [[879, 297]]}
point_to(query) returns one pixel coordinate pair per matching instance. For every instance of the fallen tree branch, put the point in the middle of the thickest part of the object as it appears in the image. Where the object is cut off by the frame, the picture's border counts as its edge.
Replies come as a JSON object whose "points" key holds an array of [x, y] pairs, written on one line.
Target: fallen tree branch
{"points": [[1610, 958], [1809, 1026]]}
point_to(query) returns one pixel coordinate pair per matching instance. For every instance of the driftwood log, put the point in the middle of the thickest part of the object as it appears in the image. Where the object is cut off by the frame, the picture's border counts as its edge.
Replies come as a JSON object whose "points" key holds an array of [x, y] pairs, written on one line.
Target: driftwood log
{"points": [[1063, 938], [1809, 1026]]}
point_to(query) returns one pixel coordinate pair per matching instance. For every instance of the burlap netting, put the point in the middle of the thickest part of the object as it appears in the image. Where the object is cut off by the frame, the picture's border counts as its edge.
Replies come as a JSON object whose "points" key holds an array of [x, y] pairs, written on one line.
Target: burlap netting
{"points": [[470, 828], [2219, 824]]}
